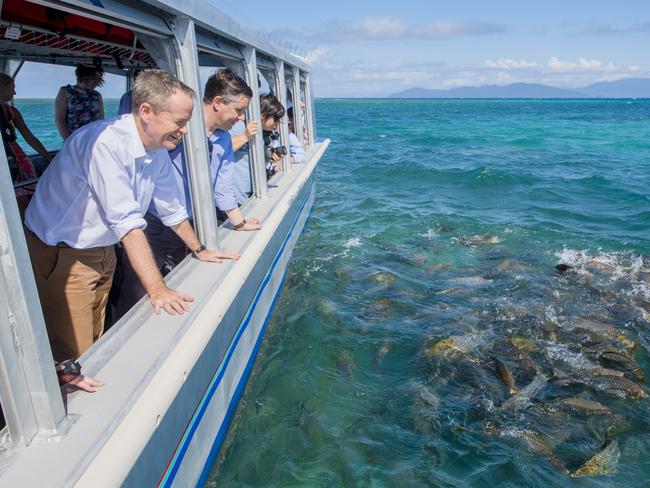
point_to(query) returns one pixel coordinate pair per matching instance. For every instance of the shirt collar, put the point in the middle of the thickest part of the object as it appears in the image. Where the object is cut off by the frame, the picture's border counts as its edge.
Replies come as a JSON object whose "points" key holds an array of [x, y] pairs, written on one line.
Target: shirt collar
{"points": [[135, 143]]}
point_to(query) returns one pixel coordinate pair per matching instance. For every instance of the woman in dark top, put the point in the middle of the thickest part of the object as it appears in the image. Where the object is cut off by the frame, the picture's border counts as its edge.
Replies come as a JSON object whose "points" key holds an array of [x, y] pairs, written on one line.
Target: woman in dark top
{"points": [[80, 104], [10, 121]]}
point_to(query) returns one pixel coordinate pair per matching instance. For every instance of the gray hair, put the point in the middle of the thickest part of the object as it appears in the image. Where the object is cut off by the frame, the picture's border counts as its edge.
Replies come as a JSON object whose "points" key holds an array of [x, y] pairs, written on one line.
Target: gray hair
{"points": [[155, 86]]}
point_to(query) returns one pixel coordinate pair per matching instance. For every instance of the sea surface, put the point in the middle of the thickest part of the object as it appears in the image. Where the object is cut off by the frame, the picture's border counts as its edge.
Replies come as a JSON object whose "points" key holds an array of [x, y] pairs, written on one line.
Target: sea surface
{"points": [[446, 218], [469, 304]]}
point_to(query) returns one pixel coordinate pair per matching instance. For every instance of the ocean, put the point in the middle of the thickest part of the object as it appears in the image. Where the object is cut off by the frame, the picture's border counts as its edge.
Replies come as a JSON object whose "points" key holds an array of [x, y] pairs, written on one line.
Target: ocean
{"points": [[469, 304]]}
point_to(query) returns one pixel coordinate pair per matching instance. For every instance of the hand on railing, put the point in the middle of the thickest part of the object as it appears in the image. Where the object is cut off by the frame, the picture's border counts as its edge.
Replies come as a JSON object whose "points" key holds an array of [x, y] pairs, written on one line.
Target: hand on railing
{"points": [[68, 373]]}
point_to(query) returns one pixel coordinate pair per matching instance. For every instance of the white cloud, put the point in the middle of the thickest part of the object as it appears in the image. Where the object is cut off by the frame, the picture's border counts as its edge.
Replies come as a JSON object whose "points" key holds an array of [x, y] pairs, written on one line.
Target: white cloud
{"points": [[507, 63], [582, 63], [383, 27], [322, 56], [336, 76], [386, 28]]}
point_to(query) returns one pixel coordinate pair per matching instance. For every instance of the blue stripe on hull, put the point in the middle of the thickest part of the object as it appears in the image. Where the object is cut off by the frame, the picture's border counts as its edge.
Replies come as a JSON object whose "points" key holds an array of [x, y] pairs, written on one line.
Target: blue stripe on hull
{"points": [[172, 469]]}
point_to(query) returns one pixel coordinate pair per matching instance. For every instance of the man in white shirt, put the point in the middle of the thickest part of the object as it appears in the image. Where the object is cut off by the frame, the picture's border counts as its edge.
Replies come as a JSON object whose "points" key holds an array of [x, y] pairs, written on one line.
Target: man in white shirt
{"points": [[95, 194]]}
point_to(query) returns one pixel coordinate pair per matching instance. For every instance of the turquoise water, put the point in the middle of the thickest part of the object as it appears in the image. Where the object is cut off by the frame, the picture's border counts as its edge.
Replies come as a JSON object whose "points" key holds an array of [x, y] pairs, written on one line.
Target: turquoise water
{"points": [[39, 116], [447, 218], [427, 268]]}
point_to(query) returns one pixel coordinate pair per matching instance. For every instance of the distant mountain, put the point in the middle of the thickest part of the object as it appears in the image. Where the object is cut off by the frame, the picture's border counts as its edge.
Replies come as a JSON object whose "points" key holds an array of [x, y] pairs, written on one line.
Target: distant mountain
{"points": [[514, 90], [627, 88]]}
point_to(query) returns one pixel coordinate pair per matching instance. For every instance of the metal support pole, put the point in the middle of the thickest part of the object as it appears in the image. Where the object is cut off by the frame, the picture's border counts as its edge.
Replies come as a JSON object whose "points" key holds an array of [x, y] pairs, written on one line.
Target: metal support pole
{"points": [[281, 93], [297, 113], [309, 111], [29, 391], [256, 144], [196, 146]]}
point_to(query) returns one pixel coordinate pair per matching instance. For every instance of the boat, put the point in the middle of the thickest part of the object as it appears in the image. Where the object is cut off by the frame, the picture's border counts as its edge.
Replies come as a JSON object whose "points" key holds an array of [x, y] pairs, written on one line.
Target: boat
{"points": [[172, 383]]}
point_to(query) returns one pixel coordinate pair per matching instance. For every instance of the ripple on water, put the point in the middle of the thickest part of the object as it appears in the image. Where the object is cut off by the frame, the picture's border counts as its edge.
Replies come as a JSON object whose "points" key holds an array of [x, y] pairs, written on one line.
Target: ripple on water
{"points": [[425, 336]]}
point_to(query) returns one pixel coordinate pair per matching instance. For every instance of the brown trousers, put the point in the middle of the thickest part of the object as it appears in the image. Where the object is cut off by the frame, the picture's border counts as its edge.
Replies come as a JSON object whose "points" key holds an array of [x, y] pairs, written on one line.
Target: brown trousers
{"points": [[73, 286]]}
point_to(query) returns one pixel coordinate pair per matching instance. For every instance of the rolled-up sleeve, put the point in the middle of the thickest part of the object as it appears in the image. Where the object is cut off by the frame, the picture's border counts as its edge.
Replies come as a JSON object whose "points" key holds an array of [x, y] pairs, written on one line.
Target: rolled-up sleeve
{"points": [[296, 149], [222, 169], [167, 197], [111, 185]]}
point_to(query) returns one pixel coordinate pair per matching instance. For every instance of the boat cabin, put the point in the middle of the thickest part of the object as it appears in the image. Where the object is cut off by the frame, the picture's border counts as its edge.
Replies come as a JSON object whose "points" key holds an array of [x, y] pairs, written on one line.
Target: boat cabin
{"points": [[172, 383]]}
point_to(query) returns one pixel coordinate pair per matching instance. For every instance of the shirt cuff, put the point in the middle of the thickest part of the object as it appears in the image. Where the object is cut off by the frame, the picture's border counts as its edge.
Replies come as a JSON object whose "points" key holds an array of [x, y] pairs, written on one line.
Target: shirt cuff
{"points": [[174, 218], [224, 203], [123, 228]]}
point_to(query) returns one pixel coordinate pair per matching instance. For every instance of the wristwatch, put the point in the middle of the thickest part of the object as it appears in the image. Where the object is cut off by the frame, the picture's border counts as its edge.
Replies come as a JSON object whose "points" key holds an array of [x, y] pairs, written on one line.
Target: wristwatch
{"points": [[240, 225], [195, 252]]}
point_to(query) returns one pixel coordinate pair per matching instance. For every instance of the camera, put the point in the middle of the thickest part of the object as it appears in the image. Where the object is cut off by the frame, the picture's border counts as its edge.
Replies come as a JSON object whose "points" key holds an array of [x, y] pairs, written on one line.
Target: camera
{"points": [[270, 151], [272, 146]]}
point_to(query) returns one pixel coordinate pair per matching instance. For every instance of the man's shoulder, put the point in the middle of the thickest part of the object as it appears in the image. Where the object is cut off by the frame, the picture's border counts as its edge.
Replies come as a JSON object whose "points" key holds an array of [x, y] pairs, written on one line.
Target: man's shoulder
{"points": [[117, 132], [114, 138], [222, 137]]}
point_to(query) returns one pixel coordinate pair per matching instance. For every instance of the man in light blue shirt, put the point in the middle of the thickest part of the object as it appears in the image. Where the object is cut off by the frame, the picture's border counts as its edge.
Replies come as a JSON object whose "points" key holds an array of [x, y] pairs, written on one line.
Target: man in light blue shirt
{"points": [[225, 101], [95, 194]]}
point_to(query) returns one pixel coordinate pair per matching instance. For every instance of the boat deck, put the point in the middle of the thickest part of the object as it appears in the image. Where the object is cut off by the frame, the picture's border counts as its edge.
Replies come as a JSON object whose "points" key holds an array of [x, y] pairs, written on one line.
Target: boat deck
{"points": [[145, 359]]}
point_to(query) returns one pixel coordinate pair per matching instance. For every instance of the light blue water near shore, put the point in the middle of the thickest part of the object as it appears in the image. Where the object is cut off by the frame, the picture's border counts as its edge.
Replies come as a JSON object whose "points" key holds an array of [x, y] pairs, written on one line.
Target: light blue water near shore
{"points": [[349, 388], [446, 218]]}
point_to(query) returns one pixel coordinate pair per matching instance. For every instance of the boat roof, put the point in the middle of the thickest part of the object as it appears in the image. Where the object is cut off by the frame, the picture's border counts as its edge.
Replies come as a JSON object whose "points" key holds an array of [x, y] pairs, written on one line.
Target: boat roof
{"points": [[69, 31]]}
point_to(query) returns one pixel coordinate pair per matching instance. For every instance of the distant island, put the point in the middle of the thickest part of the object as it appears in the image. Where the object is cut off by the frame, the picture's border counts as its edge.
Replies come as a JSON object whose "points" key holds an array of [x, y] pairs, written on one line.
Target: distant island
{"points": [[626, 88]]}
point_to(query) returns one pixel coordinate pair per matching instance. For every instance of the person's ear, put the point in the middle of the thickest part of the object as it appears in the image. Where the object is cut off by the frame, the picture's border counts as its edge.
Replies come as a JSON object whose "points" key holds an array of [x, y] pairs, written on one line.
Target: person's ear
{"points": [[145, 110], [217, 103]]}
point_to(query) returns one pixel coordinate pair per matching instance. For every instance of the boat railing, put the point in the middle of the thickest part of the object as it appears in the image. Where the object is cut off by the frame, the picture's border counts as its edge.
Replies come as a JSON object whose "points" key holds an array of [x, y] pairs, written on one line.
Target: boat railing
{"points": [[174, 37]]}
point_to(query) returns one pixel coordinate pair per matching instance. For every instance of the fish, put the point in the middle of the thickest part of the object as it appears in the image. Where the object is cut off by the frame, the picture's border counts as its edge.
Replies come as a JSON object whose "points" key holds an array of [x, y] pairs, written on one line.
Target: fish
{"points": [[563, 268], [455, 291], [621, 360], [345, 364], [606, 372], [506, 376], [507, 265], [455, 345], [582, 405], [470, 281], [425, 413], [602, 463], [617, 386], [526, 368], [522, 399], [599, 328], [380, 354], [523, 343], [427, 396], [384, 302], [534, 442], [382, 277], [477, 240], [537, 446], [341, 274]]}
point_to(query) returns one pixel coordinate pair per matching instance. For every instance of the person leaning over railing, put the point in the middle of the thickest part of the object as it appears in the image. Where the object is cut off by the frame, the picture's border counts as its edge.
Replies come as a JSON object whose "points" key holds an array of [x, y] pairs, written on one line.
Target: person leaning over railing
{"points": [[272, 112], [241, 134], [95, 194], [296, 149], [226, 98]]}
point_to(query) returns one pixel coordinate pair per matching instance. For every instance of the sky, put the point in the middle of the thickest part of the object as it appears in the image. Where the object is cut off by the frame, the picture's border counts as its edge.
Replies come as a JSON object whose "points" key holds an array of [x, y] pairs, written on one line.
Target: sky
{"points": [[375, 48]]}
